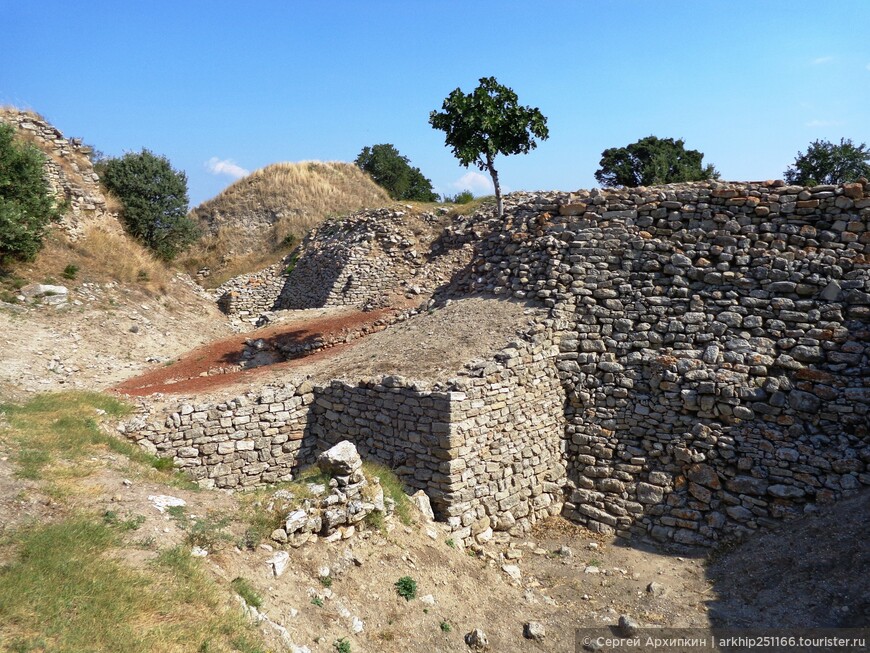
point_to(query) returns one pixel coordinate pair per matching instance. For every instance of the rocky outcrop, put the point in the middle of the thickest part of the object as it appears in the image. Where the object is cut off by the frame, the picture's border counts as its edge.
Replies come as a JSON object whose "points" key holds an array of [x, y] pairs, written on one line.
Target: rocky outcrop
{"points": [[69, 172]]}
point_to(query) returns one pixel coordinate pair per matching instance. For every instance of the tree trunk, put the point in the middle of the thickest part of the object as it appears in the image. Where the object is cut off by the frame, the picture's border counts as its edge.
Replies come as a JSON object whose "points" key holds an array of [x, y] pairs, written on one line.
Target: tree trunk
{"points": [[494, 174]]}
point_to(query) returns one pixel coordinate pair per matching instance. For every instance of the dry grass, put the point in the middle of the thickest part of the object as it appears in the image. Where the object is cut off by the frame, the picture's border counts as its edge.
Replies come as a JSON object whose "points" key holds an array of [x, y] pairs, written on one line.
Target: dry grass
{"points": [[100, 256], [290, 198]]}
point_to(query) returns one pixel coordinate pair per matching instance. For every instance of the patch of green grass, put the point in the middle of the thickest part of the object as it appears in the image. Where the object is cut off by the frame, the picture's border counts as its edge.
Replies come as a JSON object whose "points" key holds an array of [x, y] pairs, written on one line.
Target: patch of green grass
{"points": [[63, 590], [70, 271], [263, 513], [450, 542], [207, 532], [406, 587], [244, 589], [445, 627], [393, 489], [317, 601], [64, 427], [326, 581], [342, 645], [111, 518]]}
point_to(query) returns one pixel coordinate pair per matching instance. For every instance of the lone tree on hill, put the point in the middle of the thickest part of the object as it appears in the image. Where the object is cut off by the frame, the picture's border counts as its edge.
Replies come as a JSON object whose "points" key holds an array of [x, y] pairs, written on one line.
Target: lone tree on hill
{"points": [[394, 172], [486, 122], [827, 163], [651, 161], [154, 200], [27, 204]]}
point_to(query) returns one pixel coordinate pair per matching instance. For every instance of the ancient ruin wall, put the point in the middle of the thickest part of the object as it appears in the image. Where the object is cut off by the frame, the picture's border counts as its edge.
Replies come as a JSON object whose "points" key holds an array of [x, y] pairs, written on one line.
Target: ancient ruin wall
{"points": [[69, 173], [704, 369], [483, 465], [714, 348]]}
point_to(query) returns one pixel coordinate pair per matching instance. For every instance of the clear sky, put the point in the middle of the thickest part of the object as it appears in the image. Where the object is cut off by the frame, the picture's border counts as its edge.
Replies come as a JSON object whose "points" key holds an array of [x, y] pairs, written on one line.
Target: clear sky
{"points": [[225, 87]]}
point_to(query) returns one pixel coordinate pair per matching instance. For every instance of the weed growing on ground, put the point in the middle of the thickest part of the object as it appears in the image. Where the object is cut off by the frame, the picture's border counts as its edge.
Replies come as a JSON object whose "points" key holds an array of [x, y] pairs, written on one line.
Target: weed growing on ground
{"points": [[70, 271], [326, 581], [64, 427], [449, 542], [445, 627], [393, 489], [342, 645], [406, 587], [317, 601], [244, 589], [111, 518]]}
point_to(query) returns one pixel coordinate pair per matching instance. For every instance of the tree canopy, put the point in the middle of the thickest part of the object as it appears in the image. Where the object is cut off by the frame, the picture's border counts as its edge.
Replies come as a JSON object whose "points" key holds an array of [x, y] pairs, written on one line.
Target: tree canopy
{"points": [[487, 122], [27, 204], [827, 163], [154, 200], [394, 172], [652, 161]]}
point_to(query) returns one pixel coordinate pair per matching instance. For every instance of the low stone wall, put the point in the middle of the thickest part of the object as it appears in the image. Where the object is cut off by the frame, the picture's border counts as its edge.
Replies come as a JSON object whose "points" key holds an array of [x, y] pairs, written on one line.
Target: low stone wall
{"points": [[482, 466], [251, 295]]}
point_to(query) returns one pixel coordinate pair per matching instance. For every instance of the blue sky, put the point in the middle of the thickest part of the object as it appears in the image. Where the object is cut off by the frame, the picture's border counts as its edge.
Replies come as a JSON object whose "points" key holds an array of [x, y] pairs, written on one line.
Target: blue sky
{"points": [[223, 87]]}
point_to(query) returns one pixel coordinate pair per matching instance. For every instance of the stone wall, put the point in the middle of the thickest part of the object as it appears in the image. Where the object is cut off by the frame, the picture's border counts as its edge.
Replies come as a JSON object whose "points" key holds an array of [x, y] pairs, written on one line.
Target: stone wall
{"points": [[251, 295], [482, 466], [704, 369], [68, 171], [714, 348]]}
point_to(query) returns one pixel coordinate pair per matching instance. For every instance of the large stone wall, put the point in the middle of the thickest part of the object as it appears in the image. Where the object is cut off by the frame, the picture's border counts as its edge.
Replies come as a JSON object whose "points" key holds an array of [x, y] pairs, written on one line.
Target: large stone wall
{"points": [[715, 348], [704, 369]]}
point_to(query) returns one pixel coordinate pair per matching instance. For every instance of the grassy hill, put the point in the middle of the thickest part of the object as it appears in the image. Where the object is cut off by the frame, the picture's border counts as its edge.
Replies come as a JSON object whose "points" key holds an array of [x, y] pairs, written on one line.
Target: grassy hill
{"points": [[260, 217]]}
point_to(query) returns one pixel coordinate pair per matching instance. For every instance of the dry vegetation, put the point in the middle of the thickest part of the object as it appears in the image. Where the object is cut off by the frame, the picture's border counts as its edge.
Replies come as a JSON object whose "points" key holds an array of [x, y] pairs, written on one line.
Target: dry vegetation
{"points": [[99, 256], [258, 218]]}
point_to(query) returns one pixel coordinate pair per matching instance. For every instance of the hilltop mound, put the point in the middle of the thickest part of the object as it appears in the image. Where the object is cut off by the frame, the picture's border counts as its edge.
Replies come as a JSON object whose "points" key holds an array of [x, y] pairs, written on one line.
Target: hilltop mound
{"points": [[271, 209]]}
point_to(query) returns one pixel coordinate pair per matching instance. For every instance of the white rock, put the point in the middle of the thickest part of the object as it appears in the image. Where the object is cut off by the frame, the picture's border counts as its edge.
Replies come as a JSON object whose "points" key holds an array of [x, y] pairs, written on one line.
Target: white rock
{"points": [[279, 562], [198, 552], [512, 570], [164, 501], [295, 521], [428, 599], [421, 500]]}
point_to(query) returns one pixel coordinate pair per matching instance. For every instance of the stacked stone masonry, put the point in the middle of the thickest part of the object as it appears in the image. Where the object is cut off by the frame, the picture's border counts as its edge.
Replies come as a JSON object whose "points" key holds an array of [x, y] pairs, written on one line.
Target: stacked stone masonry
{"points": [[68, 171], [703, 370]]}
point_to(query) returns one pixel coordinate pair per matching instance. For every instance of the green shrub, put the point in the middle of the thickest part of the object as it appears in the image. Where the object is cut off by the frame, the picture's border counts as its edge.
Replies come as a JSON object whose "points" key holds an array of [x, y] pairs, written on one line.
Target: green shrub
{"points": [[27, 205], [445, 627], [70, 271], [464, 197], [342, 645], [395, 173], [406, 587], [154, 200]]}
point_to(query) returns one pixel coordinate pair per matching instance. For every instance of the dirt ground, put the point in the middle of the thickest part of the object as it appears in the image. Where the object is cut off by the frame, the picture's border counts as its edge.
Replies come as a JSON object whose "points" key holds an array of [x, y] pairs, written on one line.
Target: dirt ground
{"points": [[105, 334], [432, 346]]}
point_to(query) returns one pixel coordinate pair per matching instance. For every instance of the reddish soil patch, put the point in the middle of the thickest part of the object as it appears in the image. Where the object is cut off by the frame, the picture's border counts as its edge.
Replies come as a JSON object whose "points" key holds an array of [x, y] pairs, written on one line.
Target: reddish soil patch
{"points": [[216, 364]]}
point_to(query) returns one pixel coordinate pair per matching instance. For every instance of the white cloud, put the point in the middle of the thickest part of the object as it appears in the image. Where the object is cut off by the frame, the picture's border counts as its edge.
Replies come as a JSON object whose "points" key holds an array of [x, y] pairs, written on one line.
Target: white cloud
{"points": [[823, 123], [476, 182], [226, 167], [818, 61]]}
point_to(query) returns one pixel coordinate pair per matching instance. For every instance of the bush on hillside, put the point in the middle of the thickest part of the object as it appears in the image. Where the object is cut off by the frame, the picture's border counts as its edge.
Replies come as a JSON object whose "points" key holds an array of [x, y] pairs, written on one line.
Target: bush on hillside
{"points": [[27, 205], [463, 197], [394, 172], [154, 200]]}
